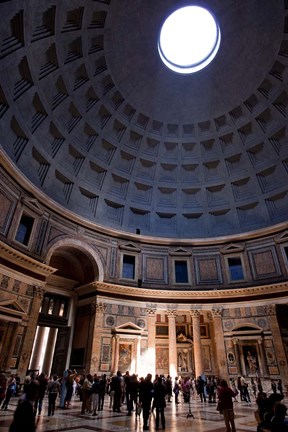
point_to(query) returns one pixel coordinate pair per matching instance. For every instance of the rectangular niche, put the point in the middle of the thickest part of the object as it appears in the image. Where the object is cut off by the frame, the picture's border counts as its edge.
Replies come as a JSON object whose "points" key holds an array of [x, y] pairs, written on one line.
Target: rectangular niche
{"points": [[208, 270], [264, 263], [155, 269]]}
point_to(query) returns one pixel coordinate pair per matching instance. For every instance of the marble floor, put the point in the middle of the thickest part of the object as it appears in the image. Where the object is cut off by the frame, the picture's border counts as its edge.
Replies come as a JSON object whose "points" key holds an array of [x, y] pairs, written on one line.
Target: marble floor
{"points": [[205, 418]]}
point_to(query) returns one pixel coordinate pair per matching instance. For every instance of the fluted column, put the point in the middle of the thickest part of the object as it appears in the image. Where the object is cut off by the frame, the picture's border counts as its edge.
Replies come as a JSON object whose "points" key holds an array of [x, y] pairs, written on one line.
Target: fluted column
{"points": [[96, 337], [113, 353], [11, 337], [198, 361], [278, 343], [216, 314], [262, 360], [172, 343], [37, 349], [237, 356], [151, 353], [48, 357], [31, 324], [138, 351], [116, 364]]}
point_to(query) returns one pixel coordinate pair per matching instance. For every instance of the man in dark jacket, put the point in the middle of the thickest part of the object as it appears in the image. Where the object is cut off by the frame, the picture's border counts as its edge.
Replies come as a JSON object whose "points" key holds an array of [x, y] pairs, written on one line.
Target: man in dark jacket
{"points": [[160, 392], [145, 397]]}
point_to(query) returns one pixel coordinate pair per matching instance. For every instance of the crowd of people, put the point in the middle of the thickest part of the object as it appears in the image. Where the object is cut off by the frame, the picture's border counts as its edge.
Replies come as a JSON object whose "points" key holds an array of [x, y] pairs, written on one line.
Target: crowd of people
{"points": [[142, 396]]}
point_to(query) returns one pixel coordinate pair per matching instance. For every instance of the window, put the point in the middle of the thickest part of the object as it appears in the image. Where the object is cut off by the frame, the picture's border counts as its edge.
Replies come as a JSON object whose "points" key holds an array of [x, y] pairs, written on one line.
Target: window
{"points": [[181, 272], [128, 268], [235, 269], [24, 229]]}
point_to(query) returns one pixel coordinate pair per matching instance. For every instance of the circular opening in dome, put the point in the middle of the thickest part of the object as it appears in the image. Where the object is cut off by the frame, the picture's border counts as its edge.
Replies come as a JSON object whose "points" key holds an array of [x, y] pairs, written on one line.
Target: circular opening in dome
{"points": [[189, 39]]}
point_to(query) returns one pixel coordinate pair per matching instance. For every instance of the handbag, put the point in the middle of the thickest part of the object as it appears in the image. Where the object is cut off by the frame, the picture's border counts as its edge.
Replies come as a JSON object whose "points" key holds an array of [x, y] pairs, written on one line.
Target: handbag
{"points": [[219, 406]]}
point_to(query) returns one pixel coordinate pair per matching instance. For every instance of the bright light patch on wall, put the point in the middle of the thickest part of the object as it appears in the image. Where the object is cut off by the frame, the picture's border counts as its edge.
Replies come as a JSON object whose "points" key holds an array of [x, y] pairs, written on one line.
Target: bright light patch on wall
{"points": [[189, 40]]}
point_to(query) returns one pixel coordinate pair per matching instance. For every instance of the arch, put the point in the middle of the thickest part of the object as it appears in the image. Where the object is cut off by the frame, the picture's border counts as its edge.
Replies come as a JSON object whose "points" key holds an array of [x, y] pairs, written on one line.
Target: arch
{"points": [[246, 326], [95, 258]]}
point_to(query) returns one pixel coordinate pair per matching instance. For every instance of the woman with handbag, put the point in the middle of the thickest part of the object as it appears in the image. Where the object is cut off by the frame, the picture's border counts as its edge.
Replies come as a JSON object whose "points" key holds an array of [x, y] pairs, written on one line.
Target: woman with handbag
{"points": [[225, 405]]}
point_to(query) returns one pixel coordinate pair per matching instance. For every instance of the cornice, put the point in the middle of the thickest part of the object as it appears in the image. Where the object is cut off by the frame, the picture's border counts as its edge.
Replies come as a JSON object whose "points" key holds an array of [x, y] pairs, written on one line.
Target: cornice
{"points": [[19, 259], [260, 292]]}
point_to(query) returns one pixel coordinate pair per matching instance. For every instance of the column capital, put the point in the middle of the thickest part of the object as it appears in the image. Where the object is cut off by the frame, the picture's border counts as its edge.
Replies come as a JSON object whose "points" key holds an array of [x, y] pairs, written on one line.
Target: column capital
{"points": [[171, 313], [259, 340], [38, 291], [150, 311], [217, 312], [235, 341], [270, 309], [195, 313], [97, 307]]}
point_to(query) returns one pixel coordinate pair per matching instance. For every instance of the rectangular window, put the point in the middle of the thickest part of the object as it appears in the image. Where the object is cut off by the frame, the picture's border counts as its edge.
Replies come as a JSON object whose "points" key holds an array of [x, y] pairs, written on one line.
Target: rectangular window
{"points": [[235, 269], [128, 268], [181, 272], [24, 229], [286, 252]]}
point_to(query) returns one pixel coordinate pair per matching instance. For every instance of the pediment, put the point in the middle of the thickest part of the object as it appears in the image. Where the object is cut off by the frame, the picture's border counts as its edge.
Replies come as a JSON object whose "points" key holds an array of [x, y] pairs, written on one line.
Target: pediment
{"points": [[130, 247], [180, 252], [232, 248], [282, 237], [128, 328], [33, 204], [11, 307]]}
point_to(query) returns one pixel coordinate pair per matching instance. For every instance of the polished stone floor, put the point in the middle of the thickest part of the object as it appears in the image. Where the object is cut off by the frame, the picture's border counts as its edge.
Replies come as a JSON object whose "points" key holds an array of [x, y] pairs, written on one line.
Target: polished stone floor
{"points": [[206, 418]]}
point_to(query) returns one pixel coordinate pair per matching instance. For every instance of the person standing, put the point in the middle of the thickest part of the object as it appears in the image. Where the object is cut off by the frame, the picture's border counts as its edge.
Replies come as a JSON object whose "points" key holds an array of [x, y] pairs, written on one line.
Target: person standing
{"points": [[43, 382], [159, 395], [168, 384], [24, 418], [176, 391], [95, 391], [200, 387], [145, 397], [117, 385], [102, 392], [86, 389], [11, 390], [53, 391], [225, 395]]}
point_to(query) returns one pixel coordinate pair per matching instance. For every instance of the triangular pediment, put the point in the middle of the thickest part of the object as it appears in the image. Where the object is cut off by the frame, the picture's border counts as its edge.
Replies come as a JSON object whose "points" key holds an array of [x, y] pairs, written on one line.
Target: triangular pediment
{"points": [[180, 252], [282, 237], [128, 328], [131, 247], [11, 307], [33, 204], [232, 248]]}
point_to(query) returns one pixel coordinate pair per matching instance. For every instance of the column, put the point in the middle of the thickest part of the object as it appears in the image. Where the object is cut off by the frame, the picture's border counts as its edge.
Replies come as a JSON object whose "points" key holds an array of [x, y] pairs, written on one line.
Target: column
{"points": [[113, 353], [151, 352], [198, 362], [219, 342], [116, 355], [49, 352], [172, 343], [96, 337], [237, 356], [262, 362], [278, 343], [11, 337], [37, 349], [138, 352], [31, 326]]}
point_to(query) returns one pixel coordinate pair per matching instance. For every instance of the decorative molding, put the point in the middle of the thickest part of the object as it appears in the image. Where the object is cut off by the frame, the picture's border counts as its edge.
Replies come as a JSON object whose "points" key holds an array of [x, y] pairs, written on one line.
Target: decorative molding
{"points": [[13, 256], [214, 296], [270, 309]]}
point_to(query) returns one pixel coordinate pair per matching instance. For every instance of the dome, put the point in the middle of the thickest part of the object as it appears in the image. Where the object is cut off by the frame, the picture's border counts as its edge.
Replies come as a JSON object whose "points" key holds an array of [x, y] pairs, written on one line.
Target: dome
{"points": [[93, 119]]}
